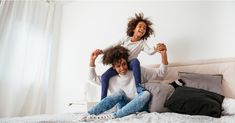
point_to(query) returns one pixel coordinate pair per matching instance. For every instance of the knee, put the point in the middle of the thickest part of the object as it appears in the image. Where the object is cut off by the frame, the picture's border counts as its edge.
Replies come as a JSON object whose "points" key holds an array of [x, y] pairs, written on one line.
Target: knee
{"points": [[105, 78], [108, 74], [145, 95]]}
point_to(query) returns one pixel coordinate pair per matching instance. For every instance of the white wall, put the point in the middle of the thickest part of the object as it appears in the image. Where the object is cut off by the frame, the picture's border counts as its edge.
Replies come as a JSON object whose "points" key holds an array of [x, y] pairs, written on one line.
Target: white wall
{"points": [[191, 30]]}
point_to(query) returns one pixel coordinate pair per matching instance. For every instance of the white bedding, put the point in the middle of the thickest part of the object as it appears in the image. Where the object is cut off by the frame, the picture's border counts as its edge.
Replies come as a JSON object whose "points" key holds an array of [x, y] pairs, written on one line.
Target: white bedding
{"points": [[142, 117]]}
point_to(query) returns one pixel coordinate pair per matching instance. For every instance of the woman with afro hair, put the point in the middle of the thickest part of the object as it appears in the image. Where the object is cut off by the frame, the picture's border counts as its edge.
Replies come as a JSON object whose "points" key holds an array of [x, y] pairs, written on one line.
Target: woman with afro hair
{"points": [[122, 86]]}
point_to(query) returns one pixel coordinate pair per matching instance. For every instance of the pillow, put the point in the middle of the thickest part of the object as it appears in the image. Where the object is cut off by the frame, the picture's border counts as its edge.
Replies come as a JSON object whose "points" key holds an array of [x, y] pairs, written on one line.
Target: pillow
{"points": [[160, 93], [208, 82], [187, 100]]}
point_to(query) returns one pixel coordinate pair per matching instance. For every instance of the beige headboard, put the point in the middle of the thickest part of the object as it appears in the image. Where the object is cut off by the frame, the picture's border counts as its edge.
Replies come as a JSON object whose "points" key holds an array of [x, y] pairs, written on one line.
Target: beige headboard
{"points": [[225, 66]]}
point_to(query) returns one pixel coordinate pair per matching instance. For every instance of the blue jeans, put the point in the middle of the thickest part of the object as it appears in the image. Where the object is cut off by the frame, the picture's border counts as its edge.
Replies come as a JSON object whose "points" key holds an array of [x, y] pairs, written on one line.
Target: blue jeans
{"points": [[125, 106], [133, 65]]}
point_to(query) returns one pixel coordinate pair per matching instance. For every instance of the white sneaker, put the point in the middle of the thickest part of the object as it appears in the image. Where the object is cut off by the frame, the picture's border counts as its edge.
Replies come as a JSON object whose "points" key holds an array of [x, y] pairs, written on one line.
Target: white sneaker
{"points": [[82, 117], [99, 117]]}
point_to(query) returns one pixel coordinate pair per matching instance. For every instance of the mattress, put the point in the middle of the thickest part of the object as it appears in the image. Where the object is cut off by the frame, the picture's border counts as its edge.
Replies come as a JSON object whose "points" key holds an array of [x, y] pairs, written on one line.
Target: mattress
{"points": [[142, 117]]}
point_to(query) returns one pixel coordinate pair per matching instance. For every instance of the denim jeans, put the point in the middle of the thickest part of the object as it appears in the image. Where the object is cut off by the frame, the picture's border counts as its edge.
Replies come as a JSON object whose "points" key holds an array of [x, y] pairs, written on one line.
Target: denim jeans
{"points": [[125, 106], [133, 65]]}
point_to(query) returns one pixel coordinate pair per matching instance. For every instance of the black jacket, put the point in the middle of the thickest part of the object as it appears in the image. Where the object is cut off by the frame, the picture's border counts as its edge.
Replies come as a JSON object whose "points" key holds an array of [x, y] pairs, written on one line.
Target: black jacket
{"points": [[194, 101]]}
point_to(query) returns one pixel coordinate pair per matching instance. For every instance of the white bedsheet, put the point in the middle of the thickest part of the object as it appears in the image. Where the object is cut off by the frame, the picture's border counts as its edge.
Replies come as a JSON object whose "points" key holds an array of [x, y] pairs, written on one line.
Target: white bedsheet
{"points": [[142, 117]]}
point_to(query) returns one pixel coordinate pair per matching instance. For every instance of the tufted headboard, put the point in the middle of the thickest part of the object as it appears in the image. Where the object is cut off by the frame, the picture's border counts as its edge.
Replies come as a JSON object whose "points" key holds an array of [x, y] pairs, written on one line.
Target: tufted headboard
{"points": [[224, 66]]}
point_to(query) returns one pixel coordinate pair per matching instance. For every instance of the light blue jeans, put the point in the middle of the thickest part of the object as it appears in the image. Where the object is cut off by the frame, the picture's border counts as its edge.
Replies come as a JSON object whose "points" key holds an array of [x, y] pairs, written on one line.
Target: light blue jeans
{"points": [[125, 106]]}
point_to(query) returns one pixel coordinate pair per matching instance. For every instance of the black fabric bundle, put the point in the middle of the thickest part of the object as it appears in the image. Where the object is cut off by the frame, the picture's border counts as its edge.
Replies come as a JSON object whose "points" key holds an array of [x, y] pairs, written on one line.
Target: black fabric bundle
{"points": [[187, 100]]}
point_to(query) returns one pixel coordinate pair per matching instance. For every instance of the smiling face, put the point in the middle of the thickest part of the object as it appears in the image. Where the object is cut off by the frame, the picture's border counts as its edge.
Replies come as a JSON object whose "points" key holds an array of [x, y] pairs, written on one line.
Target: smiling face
{"points": [[121, 66], [140, 29]]}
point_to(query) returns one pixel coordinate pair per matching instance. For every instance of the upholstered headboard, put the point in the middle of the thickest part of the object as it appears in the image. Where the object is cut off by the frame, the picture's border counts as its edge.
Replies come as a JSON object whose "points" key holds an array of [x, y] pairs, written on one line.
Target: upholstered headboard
{"points": [[224, 66]]}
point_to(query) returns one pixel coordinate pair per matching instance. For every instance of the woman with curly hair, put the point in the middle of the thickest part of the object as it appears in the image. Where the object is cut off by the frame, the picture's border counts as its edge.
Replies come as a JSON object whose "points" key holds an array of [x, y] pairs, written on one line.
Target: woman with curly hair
{"points": [[138, 31], [122, 86]]}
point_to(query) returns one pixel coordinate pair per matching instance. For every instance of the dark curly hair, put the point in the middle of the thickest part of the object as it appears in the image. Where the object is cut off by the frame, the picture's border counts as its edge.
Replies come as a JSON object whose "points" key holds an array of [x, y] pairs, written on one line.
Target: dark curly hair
{"points": [[134, 22], [114, 55]]}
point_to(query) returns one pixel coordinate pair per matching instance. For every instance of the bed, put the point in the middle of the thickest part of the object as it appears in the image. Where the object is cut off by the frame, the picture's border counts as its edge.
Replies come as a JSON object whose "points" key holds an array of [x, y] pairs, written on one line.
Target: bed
{"points": [[223, 66]]}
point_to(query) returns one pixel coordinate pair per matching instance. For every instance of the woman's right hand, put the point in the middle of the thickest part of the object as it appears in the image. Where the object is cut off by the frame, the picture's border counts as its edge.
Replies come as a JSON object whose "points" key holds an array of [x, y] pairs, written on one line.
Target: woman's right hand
{"points": [[160, 47], [93, 57]]}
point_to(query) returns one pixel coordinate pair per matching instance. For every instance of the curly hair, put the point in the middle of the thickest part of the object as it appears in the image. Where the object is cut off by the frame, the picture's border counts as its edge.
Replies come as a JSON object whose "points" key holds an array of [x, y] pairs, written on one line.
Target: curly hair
{"points": [[134, 22], [114, 55]]}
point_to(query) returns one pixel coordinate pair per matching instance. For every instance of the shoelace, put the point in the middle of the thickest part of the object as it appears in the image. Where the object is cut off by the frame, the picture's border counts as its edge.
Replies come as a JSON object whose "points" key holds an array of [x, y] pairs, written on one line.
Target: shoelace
{"points": [[99, 117]]}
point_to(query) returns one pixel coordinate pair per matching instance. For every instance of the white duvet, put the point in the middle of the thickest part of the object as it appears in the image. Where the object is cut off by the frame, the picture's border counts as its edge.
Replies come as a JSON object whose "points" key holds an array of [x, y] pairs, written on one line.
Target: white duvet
{"points": [[142, 117]]}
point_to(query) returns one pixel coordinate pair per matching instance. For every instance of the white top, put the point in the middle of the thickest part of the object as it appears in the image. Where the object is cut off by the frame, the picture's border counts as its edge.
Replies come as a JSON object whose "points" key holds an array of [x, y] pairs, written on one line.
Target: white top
{"points": [[127, 82], [134, 47]]}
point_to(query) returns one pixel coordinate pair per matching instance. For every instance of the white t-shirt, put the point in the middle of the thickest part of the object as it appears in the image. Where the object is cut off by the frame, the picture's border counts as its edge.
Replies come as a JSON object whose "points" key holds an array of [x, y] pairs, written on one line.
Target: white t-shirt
{"points": [[134, 47], [127, 82]]}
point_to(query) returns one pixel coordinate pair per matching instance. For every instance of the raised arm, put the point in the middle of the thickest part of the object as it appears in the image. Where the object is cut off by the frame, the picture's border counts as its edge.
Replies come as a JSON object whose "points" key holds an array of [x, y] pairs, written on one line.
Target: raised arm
{"points": [[149, 74], [93, 57], [93, 77]]}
